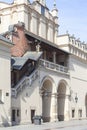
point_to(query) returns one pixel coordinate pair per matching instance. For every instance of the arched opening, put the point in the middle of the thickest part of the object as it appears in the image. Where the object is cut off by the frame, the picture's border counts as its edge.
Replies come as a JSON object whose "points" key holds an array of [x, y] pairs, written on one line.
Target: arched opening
{"points": [[62, 102], [46, 100]]}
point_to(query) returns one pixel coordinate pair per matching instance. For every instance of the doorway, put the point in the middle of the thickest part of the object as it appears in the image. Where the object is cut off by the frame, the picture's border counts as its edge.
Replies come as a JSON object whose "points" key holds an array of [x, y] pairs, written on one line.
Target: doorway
{"points": [[32, 115], [13, 115]]}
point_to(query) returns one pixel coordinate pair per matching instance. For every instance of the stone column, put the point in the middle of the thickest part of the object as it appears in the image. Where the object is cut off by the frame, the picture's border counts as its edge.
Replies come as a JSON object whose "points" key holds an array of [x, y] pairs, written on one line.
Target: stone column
{"points": [[45, 55], [54, 57], [66, 110], [53, 108]]}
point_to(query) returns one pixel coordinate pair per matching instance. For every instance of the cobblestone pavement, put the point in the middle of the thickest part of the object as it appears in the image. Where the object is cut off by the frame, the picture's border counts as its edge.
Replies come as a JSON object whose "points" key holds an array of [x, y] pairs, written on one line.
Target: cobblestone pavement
{"points": [[69, 125]]}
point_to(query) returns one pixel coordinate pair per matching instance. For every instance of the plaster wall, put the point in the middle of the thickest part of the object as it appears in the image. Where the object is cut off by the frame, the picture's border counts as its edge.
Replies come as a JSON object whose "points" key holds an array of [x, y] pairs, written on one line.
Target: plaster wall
{"points": [[78, 83], [31, 99], [5, 85]]}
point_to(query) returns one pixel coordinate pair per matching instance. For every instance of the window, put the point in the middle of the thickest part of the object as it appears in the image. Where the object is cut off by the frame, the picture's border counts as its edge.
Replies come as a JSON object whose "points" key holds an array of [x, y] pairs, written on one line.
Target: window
{"points": [[18, 113], [80, 112], [73, 113], [13, 115], [7, 94], [42, 10]]}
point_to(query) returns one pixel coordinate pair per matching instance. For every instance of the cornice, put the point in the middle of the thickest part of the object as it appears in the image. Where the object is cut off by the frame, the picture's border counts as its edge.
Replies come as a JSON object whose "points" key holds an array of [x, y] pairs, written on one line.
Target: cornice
{"points": [[80, 59], [70, 45]]}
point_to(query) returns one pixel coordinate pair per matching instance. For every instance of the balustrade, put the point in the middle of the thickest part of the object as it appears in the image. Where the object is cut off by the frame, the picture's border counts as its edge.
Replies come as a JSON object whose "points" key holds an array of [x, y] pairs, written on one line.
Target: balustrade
{"points": [[53, 66], [26, 81], [79, 45]]}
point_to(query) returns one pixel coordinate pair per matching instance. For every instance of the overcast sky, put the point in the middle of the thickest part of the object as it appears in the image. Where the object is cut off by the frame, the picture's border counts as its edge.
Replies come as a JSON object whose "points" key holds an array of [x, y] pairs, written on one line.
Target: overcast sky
{"points": [[72, 16]]}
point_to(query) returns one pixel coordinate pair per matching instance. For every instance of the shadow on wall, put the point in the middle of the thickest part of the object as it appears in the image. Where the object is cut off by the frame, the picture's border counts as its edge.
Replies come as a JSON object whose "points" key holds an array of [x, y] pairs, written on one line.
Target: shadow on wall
{"points": [[71, 67], [61, 117], [5, 122]]}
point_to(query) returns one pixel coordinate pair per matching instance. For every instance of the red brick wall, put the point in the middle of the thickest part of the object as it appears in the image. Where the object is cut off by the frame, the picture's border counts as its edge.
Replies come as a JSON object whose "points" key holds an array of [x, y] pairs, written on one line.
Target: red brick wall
{"points": [[20, 43]]}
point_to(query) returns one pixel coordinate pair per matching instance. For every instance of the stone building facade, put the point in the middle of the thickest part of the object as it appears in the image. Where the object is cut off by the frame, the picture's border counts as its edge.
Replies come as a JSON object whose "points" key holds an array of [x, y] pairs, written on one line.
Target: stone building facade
{"points": [[49, 71], [5, 82]]}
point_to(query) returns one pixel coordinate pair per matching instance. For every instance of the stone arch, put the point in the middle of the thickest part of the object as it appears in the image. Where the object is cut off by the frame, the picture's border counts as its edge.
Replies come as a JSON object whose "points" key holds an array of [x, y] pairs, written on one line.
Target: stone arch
{"points": [[63, 100], [47, 78], [65, 83], [47, 90]]}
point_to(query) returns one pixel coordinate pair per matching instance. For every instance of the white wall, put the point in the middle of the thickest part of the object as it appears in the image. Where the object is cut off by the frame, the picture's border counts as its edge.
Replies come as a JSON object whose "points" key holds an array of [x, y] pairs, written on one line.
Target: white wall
{"points": [[27, 100], [42, 28], [62, 40], [33, 100], [5, 85], [78, 74]]}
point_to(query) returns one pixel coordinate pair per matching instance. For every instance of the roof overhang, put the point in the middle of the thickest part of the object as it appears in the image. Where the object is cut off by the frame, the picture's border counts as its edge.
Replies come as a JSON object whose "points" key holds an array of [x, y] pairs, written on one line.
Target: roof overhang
{"points": [[44, 41], [18, 62], [5, 41]]}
